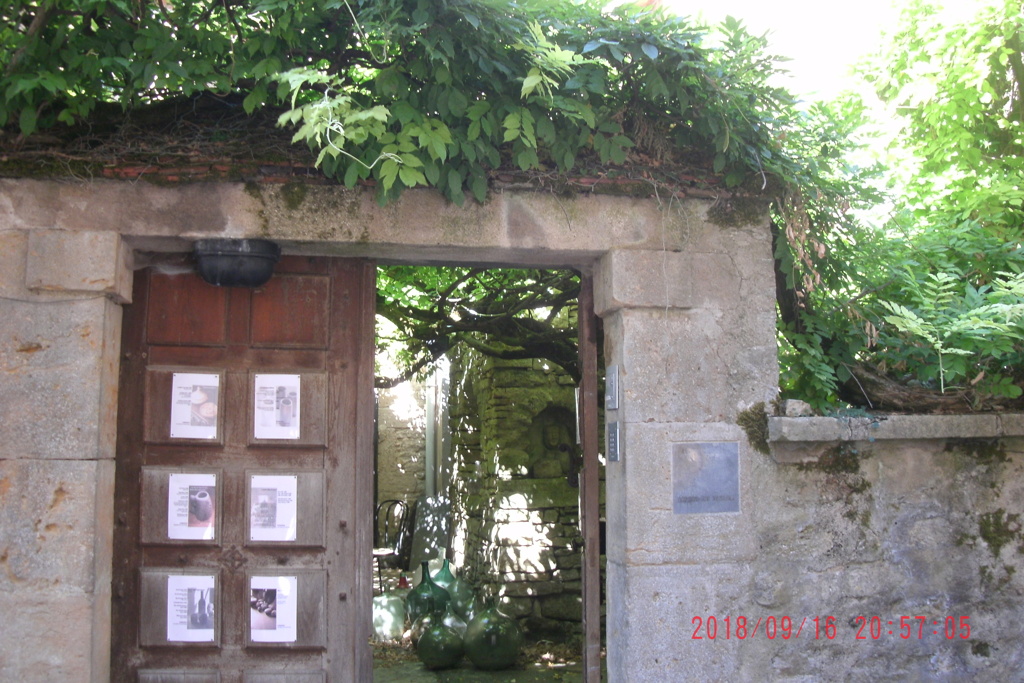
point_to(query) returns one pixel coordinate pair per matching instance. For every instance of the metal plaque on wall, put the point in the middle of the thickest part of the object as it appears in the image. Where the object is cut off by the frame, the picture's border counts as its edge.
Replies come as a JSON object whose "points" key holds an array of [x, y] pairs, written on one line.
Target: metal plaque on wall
{"points": [[705, 477]]}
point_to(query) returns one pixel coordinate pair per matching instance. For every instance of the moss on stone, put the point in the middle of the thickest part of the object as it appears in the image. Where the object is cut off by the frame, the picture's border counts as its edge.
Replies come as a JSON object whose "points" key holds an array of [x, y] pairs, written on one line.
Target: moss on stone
{"points": [[253, 190], [963, 539], [294, 195], [45, 168], [738, 212], [994, 579], [979, 648], [983, 451], [841, 459], [998, 529], [754, 423]]}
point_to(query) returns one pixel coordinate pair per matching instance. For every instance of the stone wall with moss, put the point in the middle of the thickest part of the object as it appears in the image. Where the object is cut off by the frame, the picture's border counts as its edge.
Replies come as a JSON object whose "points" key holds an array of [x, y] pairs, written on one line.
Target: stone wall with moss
{"points": [[517, 534], [873, 532], [401, 442]]}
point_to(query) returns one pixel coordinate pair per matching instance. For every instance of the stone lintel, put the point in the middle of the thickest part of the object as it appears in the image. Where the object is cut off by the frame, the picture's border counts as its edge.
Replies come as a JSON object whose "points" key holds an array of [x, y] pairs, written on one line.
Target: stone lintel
{"points": [[806, 439], [528, 229], [627, 278], [79, 263]]}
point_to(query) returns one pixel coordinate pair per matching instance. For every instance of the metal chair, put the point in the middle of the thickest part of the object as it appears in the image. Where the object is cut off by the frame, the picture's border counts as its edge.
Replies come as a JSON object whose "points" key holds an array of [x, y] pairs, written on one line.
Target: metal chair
{"points": [[389, 532]]}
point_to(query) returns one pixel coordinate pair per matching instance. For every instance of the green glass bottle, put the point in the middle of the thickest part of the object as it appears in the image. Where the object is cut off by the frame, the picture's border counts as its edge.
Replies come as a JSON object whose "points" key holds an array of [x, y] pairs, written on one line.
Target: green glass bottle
{"points": [[459, 591], [425, 597], [492, 640], [452, 620], [439, 647]]}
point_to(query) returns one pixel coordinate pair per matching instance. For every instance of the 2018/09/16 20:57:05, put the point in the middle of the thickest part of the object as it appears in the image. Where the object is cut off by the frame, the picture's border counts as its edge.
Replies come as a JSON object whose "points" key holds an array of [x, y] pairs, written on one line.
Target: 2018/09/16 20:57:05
{"points": [[867, 628]]}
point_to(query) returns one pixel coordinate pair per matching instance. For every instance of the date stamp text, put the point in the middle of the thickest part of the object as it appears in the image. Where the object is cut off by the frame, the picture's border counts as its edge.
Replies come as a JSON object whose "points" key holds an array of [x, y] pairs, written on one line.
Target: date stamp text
{"points": [[712, 627]]}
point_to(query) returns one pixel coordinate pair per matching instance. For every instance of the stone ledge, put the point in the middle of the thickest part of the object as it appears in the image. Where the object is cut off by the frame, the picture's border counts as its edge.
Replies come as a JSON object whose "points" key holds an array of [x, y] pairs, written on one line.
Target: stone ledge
{"points": [[79, 263], [795, 440]]}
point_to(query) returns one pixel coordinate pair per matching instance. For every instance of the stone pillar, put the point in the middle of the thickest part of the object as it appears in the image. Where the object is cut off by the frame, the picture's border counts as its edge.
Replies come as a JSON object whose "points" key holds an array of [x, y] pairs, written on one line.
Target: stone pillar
{"points": [[60, 331], [692, 333]]}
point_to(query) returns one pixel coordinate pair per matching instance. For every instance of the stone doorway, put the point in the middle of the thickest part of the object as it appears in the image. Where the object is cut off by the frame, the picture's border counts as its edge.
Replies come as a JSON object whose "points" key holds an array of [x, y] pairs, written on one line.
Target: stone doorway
{"points": [[492, 446]]}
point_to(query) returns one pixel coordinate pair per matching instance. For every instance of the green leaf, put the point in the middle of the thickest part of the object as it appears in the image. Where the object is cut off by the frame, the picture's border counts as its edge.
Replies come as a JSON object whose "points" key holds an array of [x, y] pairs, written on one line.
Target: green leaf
{"points": [[411, 176], [531, 82], [433, 173], [388, 173], [527, 159], [255, 99], [27, 121], [478, 109], [457, 102], [455, 180], [478, 185], [650, 50], [352, 174], [546, 130]]}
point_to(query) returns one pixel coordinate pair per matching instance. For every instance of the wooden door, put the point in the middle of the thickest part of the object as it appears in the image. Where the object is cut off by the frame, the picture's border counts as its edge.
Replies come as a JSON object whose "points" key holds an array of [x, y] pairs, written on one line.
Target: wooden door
{"points": [[244, 478]]}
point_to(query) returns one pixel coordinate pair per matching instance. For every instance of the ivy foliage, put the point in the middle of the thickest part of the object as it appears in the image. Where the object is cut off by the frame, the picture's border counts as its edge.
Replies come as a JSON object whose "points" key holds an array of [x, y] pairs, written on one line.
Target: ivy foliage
{"points": [[441, 93], [409, 93], [930, 297]]}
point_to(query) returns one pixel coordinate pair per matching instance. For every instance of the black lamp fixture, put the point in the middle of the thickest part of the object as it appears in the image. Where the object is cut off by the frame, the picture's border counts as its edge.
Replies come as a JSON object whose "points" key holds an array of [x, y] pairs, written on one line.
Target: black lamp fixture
{"points": [[236, 263]]}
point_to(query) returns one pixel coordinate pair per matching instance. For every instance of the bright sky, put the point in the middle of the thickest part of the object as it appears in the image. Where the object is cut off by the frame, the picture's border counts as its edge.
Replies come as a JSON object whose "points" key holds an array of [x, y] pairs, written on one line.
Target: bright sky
{"points": [[822, 37]]}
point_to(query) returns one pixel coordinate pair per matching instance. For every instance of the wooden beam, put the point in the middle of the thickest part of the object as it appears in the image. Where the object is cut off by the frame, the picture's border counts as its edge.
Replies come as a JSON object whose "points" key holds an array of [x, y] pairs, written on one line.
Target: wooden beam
{"points": [[590, 483]]}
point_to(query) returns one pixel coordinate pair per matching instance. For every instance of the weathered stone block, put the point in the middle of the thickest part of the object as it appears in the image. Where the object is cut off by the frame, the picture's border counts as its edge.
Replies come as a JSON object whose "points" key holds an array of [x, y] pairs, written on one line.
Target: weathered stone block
{"points": [[570, 560], [565, 607], [525, 577], [532, 494], [648, 531], [55, 561], [518, 533], [532, 588], [515, 516], [60, 379], [699, 365], [79, 263], [513, 460], [628, 278], [13, 248], [55, 514], [507, 560], [568, 575], [47, 637]]}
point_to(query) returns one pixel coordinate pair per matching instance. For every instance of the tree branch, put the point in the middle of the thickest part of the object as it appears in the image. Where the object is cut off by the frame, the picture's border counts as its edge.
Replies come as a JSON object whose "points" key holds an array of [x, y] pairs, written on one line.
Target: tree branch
{"points": [[38, 22]]}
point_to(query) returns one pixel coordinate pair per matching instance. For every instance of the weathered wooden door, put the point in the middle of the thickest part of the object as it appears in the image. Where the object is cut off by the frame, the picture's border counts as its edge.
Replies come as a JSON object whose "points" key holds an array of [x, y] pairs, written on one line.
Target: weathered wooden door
{"points": [[244, 484]]}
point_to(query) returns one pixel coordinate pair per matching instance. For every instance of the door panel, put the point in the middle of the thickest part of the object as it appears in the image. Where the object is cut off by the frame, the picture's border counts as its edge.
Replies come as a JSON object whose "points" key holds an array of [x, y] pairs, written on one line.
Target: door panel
{"points": [[287, 312], [244, 478]]}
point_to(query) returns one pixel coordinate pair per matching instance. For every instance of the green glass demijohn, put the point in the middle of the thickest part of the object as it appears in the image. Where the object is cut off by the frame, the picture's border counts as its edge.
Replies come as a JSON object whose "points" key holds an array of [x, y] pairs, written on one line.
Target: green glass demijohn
{"points": [[451, 619], [425, 597], [460, 592], [443, 577], [439, 647], [420, 626], [492, 640]]}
